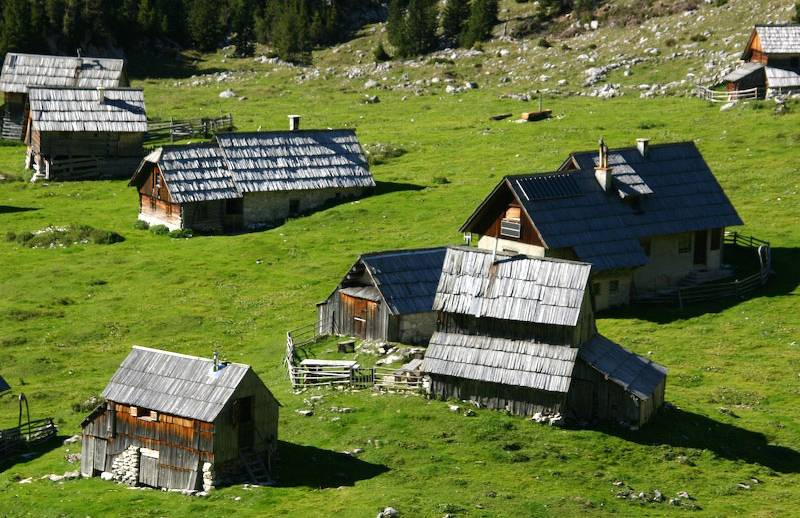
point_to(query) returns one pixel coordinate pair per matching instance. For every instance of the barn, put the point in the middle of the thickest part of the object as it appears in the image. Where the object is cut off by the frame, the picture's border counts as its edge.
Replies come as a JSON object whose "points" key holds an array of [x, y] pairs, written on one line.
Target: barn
{"points": [[770, 62], [80, 133], [21, 71], [647, 217], [517, 333], [385, 296], [181, 422], [250, 180]]}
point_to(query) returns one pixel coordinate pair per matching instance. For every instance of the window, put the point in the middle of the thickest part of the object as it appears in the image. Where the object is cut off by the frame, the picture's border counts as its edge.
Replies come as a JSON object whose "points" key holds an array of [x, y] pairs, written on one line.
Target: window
{"points": [[596, 288], [294, 206], [144, 414], [684, 243], [716, 238], [646, 246], [511, 224], [613, 286]]}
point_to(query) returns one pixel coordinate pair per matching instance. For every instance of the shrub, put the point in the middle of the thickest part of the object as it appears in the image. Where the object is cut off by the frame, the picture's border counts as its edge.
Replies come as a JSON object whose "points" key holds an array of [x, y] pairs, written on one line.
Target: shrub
{"points": [[380, 53], [379, 152], [670, 42], [103, 237], [11, 236], [159, 230], [181, 233], [698, 38], [440, 180], [24, 237], [544, 43], [141, 225]]}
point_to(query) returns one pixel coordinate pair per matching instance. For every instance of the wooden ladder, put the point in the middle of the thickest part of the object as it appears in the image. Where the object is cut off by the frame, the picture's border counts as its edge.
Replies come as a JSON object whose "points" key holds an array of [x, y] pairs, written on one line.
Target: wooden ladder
{"points": [[255, 468]]}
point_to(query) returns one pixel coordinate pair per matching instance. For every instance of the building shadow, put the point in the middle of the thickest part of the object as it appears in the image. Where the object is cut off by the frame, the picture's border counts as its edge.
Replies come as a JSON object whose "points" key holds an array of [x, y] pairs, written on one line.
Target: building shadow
{"points": [[683, 429], [390, 187], [783, 282], [307, 466], [7, 209], [31, 452]]}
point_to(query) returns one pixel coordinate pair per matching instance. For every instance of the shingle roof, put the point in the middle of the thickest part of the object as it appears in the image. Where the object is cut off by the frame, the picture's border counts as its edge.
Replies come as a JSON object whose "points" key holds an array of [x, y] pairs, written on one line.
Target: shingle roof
{"points": [[520, 288], [194, 173], [744, 70], [185, 386], [21, 71], [635, 374], [520, 363], [779, 39], [407, 279], [674, 192], [295, 160], [781, 78], [118, 110]]}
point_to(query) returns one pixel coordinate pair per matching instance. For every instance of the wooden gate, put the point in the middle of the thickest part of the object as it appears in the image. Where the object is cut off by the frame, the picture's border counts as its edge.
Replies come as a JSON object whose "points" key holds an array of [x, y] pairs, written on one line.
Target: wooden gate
{"points": [[148, 467], [363, 313]]}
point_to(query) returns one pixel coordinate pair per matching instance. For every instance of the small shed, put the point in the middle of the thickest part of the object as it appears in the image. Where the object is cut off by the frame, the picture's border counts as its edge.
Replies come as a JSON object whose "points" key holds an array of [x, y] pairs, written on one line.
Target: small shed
{"points": [[250, 180], [76, 133], [770, 61], [385, 296], [22, 71], [518, 333], [181, 422]]}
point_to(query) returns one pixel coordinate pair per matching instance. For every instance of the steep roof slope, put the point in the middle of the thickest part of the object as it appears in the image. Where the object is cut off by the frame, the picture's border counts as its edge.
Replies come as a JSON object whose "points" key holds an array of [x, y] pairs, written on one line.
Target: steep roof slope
{"points": [[632, 372], [778, 39], [119, 110], [521, 288], [21, 71], [194, 173], [172, 383]]}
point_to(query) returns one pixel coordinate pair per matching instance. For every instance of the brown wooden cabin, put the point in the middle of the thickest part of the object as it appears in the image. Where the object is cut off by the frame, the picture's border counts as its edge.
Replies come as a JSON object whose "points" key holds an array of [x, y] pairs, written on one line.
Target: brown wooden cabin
{"points": [[770, 62], [79, 133], [517, 333], [250, 180], [647, 218], [21, 71], [181, 422], [385, 296]]}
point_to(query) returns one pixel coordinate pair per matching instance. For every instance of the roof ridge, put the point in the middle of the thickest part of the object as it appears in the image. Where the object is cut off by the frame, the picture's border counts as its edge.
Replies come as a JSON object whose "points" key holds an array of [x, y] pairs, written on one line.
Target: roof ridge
{"points": [[263, 132], [60, 56], [513, 256], [87, 88], [182, 355], [402, 251], [632, 148]]}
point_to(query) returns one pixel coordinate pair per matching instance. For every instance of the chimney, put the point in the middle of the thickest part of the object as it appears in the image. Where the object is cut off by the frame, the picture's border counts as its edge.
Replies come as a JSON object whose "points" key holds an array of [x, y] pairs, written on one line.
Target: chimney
{"points": [[294, 122], [101, 95], [602, 172], [216, 361], [642, 144]]}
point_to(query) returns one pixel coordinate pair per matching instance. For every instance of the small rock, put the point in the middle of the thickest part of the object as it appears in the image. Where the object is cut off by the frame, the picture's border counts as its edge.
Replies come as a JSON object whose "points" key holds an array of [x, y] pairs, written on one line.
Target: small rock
{"points": [[201, 493], [674, 501], [469, 413], [72, 458], [227, 94], [388, 512], [371, 99], [238, 498], [71, 475], [684, 494], [742, 485], [657, 496], [618, 483], [471, 85], [58, 478], [371, 84], [305, 413], [455, 408], [72, 440], [727, 107], [26, 480]]}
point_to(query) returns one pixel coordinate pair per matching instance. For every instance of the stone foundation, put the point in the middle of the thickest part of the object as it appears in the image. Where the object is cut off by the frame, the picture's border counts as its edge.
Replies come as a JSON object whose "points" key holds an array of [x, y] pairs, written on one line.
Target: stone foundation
{"points": [[125, 467], [209, 480]]}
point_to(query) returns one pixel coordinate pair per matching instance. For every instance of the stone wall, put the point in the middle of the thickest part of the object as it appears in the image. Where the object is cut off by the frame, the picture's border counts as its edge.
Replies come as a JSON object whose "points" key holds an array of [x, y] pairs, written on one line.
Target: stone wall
{"points": [[264, 208], [416, 328], [208, 476], [668, 265], [125, 467], [610, 289]]}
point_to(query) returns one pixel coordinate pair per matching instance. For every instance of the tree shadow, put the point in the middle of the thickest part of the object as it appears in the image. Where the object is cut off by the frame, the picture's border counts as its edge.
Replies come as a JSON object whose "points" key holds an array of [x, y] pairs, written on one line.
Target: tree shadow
{"points": [[783, 282], [683, 429], [390, 187], [31, 452], [167, 64], [307, 466], [7, 209]]}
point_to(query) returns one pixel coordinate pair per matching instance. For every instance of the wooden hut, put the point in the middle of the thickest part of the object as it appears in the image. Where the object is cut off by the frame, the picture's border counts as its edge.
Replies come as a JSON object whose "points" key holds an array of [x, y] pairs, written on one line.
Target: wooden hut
{"points": [[21, 71], [647, 218], [518, 333], [770, 62], [181, 422], [385, 296], [77, 133], [250, 180]]}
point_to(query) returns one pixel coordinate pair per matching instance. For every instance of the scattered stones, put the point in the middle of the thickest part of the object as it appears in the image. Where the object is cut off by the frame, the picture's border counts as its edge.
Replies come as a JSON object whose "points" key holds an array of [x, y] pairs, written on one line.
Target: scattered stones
{"points": [[26, 480], [342, 410], [72, 458], [304, 413], [607, 91], [71, 475], [469, 413]]}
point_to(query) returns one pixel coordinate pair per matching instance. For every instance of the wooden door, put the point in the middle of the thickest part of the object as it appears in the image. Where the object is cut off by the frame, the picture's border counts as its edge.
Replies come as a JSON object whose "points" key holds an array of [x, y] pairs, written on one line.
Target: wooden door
{"points": [[701, 247], [244, 416], [148, 469]]}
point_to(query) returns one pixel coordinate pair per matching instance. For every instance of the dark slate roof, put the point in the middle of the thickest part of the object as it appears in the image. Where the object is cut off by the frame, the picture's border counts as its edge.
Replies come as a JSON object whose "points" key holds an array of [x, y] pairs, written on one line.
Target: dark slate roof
{"points": [[674, 192], [4, 386], [407, 279], [21, 71], [744, 70], [116, 110], [172, 383], [295, 160], [520, 288], [779, 39], [520, 363], [635, 374], [193, 173]]}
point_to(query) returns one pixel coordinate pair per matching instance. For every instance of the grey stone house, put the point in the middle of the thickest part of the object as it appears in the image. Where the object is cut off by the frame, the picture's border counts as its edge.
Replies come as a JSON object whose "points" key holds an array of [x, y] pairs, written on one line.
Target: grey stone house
{"points": [[250, 180]]}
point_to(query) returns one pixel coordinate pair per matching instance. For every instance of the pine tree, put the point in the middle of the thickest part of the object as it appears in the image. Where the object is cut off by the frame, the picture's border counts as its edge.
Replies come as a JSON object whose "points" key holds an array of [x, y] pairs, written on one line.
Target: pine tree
{"points": [[454, 18], [396, 23], [242, 25], [146, 17], [412, 28], [290, 31], [797, 12], [482, 18], [204, 24], [15, 33]]}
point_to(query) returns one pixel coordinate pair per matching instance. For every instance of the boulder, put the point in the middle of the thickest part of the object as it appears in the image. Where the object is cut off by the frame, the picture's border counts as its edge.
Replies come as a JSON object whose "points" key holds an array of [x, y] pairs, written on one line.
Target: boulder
{"points": [[72, 440], [71, 475], [371, 83], [227, 94]]}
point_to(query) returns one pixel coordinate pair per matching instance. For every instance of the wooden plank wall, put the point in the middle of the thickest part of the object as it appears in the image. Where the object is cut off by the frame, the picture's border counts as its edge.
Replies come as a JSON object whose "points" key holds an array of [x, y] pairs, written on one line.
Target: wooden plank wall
{"points": [[518, 400], [606, 400], [67, 144], [484, 326]]}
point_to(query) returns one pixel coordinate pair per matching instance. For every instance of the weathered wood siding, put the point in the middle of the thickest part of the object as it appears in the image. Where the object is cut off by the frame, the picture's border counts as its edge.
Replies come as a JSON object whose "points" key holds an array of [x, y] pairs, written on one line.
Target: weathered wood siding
{"points": [[80, 144], [337, 315], [204, 215], [517, 400]]}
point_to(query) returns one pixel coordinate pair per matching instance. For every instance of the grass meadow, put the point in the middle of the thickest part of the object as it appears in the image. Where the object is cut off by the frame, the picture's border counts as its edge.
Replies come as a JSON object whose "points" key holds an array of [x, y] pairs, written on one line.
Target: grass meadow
{"points": [[69, 315]]}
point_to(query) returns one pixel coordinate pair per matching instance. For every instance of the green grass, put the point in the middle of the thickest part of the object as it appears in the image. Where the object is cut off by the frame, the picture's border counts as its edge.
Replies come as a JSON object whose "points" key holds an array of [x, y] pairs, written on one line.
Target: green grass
{"points": [[68, 317]]}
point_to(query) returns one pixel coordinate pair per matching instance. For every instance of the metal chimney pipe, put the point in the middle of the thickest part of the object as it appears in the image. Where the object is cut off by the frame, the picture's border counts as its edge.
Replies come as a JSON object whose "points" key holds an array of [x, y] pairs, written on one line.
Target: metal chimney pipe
{"points": [[216, 361], [643, 144]]}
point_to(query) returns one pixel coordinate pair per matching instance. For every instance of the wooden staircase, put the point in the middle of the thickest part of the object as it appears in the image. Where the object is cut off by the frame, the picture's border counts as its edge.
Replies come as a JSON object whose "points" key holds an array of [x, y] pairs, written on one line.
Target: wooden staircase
{"points": [[257, 471]]}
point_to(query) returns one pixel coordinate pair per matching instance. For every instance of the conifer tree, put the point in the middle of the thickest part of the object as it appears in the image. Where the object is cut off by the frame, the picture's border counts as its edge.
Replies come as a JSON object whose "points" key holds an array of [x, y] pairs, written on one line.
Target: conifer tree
{"points": [[14, 32], [204, 24], [454, 18], [413, 27], [482, 18]]}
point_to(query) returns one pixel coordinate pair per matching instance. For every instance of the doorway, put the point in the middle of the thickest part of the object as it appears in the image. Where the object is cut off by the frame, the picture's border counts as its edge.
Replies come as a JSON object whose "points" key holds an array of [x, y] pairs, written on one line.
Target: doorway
{"points": [[700, 247], [243, 414]]}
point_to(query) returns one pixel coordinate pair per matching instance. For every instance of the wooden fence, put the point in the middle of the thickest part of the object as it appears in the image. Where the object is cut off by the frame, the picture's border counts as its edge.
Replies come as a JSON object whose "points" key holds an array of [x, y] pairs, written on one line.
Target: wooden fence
{"points": [[176, 129], [26, 435], [738, 288], [726, 96]]}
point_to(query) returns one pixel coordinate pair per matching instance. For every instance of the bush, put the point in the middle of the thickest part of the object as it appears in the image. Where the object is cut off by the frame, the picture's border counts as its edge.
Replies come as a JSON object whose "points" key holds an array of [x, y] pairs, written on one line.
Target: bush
{"points": [[697, 38], [670, 42], [104, 237], [52, 237], [24, 237], [159, 230], [544, 43], [380, 53], [181, 233], [440, 180], [141, 225], [379, 152], [11, 236]]}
